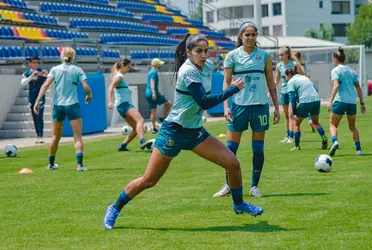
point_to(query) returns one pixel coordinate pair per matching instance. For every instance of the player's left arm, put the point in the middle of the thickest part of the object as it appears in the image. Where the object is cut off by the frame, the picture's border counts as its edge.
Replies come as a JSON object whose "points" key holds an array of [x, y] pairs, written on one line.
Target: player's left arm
{"points": [[272, 87], [361, 98]]}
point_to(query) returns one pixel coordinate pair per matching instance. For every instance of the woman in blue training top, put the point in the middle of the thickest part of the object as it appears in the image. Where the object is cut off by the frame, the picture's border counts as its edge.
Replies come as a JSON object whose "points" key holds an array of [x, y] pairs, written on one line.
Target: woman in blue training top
{"points": [[250, 106], [35, 78], [66, 78], [123, 104], [343, 100], [183, 130], [286, 62]]}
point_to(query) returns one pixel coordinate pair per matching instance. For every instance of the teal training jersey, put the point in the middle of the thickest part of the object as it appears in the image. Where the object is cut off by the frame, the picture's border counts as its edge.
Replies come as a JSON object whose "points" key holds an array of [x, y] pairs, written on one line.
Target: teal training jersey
{"points": [[347, 78], [282, 68], [66, 77], [152, 75], [185, 110], [303, 88], [122, 91], [251, 68]]}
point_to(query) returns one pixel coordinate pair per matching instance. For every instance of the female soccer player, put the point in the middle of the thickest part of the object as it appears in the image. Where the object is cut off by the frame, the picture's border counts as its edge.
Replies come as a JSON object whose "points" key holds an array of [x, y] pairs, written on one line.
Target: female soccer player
{"points": [[183, 130], [35, 77], [66, 77], [302, 90], [153, 96], [285, 63], [123, 104], [249, 107], [343, 100]]}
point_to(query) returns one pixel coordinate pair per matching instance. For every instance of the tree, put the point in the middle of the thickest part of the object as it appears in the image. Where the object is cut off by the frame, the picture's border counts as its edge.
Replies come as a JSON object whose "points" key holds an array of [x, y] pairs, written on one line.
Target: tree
{"points": [[360, 31], [324, 33], [198, 14]]}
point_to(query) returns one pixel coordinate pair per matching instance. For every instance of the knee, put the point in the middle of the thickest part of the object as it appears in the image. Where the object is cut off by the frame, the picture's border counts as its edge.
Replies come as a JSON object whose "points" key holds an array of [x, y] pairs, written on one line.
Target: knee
{"points": [[352, 128], [148, 182], [234, 165], [286, 116], [140, 121]]}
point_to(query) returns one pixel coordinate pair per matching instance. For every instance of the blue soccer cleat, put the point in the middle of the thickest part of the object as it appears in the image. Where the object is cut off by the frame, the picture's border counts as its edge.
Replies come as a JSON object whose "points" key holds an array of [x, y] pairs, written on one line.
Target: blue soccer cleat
{"points": [[110, 217], [245, 207]]}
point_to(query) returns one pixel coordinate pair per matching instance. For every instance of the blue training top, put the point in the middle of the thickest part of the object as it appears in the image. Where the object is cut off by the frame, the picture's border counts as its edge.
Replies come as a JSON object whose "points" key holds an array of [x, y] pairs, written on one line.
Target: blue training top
{"points": [[34, 85]]}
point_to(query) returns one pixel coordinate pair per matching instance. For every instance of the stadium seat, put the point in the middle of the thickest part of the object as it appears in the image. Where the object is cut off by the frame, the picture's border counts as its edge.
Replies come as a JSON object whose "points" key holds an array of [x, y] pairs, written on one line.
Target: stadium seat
{"points": [[147, 55]]}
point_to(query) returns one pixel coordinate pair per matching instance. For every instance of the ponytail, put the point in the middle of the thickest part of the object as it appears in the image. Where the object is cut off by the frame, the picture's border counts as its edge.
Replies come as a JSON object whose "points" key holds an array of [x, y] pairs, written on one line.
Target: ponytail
{"points": [[289, 52], [116, 67], [340, 55], [298, 56]]}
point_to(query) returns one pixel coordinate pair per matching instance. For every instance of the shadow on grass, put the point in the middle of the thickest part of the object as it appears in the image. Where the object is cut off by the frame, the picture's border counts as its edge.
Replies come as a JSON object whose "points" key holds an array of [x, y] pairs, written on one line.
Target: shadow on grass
{"points": [[260, 227], [351, 154], [294, 194]]}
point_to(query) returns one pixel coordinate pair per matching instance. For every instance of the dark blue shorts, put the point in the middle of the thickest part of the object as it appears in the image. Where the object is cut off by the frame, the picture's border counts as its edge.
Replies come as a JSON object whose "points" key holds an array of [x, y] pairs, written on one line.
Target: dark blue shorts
{"points": [[173, 138], [160, 99], [284, 98], [258, 116], [123, 108], [305, 109], [71, 111], [340, 108]]}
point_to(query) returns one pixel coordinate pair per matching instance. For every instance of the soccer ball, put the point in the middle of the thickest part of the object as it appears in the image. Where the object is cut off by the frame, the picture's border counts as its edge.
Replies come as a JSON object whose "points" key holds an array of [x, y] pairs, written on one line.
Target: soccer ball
{"points": [[11, 150], [152, 145], [126, 130], [323, 163]]}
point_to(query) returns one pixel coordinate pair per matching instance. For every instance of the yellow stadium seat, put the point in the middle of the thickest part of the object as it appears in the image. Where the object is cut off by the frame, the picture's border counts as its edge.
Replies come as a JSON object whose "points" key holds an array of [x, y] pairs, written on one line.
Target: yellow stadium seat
{"points": [[211, 43], [194, 31], [162, 9]]}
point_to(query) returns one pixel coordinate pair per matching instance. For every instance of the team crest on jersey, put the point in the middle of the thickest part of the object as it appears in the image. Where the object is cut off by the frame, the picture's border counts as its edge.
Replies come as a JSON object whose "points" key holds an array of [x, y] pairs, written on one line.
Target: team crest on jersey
{"points": [[191, 74], [258, 58], [169, 142], [247, 79]]}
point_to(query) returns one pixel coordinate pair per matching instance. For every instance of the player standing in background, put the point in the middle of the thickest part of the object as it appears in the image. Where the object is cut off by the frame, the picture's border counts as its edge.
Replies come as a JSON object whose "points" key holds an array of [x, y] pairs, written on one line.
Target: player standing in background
{"points": [[65, 77], [153, 96], [123, 104], [249, 106], [183, 130], [285, 63], [35, 78], [302, 90], [343, 100]]}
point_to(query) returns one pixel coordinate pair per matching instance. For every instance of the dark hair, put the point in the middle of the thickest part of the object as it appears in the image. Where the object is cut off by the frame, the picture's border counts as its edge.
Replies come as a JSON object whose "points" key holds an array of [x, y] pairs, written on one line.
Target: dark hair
{"points": [[291, 71], [340, 55], [32, 58], [118, 65], [240, 41]]}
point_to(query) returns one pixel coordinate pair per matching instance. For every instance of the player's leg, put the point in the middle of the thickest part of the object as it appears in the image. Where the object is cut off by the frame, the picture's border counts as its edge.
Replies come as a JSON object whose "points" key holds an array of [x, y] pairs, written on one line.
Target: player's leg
{"points": [[53, 147], [40, 121], [297, 131], [351, 120], [34, 118], [157, 166], [153, 120], [223, 157], [161, 99], [337, 112], [135, 115], [130, 136], [320, 129], [287, 122]]}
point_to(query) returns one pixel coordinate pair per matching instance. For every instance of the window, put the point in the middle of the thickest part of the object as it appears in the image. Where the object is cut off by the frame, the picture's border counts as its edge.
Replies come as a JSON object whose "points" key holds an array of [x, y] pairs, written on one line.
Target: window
{"points": [[247, 11], [340, 7], [266, 30], [278, 30], [277, 9], [210, 17], [320, 4], [235, 12], [339, 29], [265, 10]]}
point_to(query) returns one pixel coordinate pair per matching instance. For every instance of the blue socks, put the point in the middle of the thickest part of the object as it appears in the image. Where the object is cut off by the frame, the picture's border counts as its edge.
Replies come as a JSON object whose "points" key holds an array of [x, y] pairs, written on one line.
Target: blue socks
{"points": [[257, 160], [288, 133], [297, 136], [357, 146], [334, 138], [124, 145], [122, 200], [233, 146], [237, 195], [79, 158], [51, 159], [321, 132], [142, 140], [291, 134]]}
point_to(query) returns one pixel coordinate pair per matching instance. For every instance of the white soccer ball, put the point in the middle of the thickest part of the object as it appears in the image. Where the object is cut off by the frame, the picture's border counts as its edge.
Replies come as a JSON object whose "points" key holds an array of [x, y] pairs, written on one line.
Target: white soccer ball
{"points": [[323, 163], [126, 130], [11, 150]]}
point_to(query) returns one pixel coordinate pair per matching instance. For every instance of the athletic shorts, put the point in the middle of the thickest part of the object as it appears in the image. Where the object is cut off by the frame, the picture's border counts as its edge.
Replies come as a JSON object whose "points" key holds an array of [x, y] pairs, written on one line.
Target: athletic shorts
{"points": [[284, 98], [340, 108], [257, 116], [71, 111], [160, 99], [305, 109], [123, 108], [172, 138]]}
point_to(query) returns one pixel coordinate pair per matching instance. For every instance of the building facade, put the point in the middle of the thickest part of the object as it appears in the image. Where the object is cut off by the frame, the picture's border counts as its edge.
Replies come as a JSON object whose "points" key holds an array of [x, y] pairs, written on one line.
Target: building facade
{"points": [[281, 17]]}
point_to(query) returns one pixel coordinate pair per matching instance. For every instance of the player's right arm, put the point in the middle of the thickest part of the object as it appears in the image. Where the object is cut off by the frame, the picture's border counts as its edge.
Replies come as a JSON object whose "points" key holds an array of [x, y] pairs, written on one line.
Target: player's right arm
{"points": [[43, 90], [277, 77], [111, 87], [335, 86]]}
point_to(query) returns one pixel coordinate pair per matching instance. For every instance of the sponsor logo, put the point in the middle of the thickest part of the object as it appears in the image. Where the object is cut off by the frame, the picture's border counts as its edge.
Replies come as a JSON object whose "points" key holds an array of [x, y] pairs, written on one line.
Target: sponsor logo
{"points": [[169, 142]]}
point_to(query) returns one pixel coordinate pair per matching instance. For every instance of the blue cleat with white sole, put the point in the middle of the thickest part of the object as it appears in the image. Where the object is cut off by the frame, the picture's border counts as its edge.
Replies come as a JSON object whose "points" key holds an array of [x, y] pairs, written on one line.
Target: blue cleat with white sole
{"points": [[245, 207], [110, 217]]}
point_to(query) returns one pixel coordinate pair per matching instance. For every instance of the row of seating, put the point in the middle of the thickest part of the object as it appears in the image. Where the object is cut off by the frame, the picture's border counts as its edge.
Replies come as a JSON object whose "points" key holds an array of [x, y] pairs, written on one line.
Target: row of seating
{"points": [[143, 54], [65, 35], [137, 39], [140, 6], [159, 18], [179, 31], [38, 34], [20, 4], [51, 52], [100, 2], [19, 17], [225, 44], [80, 9], [111, 25]]}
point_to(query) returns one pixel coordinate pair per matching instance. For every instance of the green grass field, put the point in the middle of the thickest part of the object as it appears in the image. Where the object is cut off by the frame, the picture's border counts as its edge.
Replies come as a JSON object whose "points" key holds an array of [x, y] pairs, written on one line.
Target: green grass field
{"points": [[304, 209]]}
